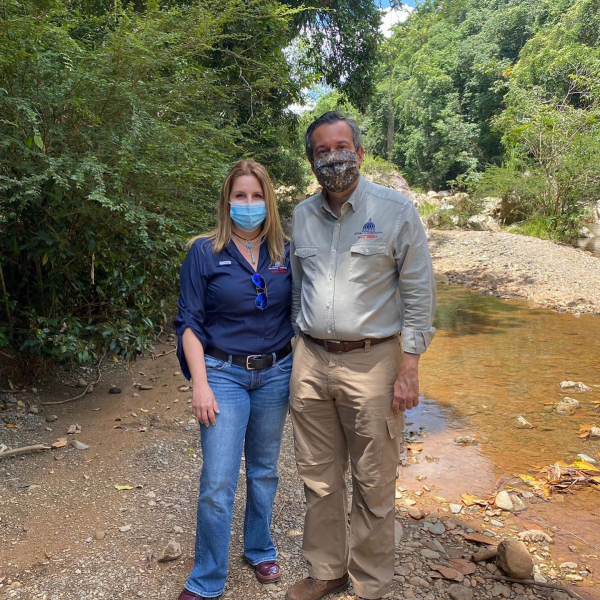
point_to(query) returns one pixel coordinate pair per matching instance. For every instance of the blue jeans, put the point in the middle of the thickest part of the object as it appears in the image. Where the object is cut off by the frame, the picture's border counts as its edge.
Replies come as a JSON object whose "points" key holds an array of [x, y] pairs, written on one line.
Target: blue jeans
{"points": [[253, 407]]}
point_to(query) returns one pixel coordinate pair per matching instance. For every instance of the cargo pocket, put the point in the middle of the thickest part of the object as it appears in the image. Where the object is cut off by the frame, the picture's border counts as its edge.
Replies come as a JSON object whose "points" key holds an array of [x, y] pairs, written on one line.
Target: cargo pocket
{"points": [[366, 262]]}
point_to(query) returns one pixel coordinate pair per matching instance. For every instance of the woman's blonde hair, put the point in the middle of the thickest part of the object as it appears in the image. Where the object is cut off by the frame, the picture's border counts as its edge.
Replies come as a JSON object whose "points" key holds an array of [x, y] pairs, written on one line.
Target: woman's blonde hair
{"points": [[272, 231]]}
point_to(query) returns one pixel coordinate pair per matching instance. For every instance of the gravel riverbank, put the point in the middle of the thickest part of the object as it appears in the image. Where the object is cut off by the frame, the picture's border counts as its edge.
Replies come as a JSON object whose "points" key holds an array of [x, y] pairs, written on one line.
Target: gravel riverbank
{"points": [[508, 265]]}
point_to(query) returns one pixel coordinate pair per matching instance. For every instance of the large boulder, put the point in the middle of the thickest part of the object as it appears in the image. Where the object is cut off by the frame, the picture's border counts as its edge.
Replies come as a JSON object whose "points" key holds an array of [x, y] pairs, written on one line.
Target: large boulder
{"points": [[482, 223], [514, 559]]}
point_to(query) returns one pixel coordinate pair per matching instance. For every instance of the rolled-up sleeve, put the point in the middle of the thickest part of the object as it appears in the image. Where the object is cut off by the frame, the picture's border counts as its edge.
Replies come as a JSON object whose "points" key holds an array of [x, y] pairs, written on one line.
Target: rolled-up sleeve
{"points": [[297, 275], [416, 282], [191, 302]]}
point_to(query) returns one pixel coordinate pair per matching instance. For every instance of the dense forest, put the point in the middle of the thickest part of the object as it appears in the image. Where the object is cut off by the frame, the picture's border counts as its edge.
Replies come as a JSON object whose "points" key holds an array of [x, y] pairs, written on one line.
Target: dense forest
{"points": [[118, 120]]}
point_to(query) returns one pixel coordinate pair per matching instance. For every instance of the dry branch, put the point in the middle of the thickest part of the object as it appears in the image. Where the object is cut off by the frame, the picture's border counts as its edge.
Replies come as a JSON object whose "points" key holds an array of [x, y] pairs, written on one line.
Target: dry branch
{"points": [[552, 586], [24, 449]]}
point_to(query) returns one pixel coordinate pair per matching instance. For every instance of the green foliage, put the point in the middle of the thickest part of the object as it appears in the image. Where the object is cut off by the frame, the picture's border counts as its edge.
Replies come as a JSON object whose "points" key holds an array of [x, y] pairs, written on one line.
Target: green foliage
{"points": [[117, 128]]}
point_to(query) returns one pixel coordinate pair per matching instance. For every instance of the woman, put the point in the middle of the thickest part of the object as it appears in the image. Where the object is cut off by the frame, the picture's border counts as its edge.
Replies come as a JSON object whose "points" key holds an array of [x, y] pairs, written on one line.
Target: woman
{"points": [[234, 342]]}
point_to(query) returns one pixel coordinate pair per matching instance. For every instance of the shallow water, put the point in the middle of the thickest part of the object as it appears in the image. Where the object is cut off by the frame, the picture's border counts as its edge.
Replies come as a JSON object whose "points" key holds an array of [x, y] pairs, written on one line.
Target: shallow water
{"points": [[492, 361], [590, 244]]}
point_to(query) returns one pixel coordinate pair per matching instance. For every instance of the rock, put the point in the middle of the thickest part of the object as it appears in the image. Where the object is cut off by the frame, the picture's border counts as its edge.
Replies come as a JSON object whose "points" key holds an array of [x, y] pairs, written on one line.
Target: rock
{"points": [[503, 501], [51, 418], [574, 386], [557, 595], [437, 528], [564, 408], [409, 502], [514, 559], [539, 578], [455, 508], [177, 529], [595, 432], [114, 390], [81, 383], [74, 429], [79, 445], [500, 589], [584, 232], [398, 533], [523, 423], [465, 440], [418, 582], [534, 535], [146, 387], [482, 223], [16, 585], [571, 401], [125, 528], [430, 554], [492, 207], [569, 565], [99, 534], [171, 552], [460, 592], [415, 513], [90, 389], [485, 554], [34, 410]]}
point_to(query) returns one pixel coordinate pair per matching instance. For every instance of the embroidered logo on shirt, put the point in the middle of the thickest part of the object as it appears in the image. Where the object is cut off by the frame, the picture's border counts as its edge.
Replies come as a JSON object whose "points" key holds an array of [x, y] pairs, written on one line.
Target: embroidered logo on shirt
{"points": [[369, 231], [224, 262], [277, 267]]}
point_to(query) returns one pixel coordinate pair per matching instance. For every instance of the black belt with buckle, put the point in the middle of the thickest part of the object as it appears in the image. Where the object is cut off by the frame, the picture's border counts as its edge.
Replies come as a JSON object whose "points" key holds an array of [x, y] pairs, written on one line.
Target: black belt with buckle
{"points": [[252, 362]]}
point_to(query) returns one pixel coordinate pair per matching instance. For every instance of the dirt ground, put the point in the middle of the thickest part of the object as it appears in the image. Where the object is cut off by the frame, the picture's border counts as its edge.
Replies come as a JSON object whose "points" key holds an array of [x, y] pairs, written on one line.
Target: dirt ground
{"points": [[61, 516]]}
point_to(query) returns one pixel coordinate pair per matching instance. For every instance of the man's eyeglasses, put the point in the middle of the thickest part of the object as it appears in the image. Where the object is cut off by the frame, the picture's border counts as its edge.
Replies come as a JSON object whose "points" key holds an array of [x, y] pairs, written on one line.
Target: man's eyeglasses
{"points": [[261, 291]]}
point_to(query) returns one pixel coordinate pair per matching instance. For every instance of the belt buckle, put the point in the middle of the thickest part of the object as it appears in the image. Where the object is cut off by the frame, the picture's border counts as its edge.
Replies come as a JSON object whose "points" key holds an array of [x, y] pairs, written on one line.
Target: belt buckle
{"points": [[248, 358], [326, 346]]}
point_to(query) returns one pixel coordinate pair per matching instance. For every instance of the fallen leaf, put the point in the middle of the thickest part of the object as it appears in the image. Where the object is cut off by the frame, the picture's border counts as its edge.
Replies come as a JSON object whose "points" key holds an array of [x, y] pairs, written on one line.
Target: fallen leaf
{"points": [[59, 456], [59, 443], [462, 565], [448, 573], [134, 414], [469, 500], [584, 466], [123, 487], [480, 539], [414, 447], [96, 409], [20, 403], [13, 426], [144, 409], [532, 527]]}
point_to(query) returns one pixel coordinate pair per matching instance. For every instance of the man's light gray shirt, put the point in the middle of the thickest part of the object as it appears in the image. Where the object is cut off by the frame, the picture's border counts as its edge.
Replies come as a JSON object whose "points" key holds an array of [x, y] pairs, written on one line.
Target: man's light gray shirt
{"points": [[367, 274]]}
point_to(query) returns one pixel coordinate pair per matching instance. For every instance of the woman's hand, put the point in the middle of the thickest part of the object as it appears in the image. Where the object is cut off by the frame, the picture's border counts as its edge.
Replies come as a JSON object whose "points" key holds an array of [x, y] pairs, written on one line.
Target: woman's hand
{"points": [[204, 405]]}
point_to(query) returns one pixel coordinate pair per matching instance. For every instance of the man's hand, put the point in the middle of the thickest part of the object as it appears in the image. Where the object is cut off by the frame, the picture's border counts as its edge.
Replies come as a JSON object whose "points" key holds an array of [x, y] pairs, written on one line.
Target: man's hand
{"points": [[406, 387]]}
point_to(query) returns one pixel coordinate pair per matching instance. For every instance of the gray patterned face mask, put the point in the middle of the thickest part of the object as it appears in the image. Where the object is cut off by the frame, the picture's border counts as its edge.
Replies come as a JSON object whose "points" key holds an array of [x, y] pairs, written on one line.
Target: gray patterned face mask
{"points": [[336, 171]]}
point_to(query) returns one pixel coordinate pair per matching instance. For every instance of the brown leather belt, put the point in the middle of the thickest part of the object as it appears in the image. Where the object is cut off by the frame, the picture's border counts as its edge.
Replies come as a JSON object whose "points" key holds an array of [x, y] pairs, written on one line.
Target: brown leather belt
{"points": [[339, 346]]}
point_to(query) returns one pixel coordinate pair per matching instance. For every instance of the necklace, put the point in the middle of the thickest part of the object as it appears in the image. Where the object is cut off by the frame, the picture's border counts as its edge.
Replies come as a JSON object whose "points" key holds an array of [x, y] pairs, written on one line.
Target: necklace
{"points": [[248, 244]]}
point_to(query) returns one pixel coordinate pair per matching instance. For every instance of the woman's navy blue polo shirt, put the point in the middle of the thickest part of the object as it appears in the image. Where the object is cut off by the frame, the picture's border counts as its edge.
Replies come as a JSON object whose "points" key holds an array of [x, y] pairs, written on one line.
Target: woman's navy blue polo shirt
{"points": [[217, 301]]}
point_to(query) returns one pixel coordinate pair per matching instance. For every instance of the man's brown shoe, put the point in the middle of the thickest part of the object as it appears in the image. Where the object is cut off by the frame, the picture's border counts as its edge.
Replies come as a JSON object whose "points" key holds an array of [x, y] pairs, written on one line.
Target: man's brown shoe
{"points": [[313, 589]]}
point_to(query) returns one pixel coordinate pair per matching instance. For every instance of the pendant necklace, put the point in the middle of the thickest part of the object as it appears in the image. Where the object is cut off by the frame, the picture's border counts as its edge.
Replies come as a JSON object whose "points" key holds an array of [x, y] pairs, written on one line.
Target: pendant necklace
{"points": [[248, 244]]}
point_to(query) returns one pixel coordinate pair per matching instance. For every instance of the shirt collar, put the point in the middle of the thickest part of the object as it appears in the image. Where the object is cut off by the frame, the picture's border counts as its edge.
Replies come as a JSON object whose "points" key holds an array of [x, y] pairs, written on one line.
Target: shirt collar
{"points": [[354, 200]]}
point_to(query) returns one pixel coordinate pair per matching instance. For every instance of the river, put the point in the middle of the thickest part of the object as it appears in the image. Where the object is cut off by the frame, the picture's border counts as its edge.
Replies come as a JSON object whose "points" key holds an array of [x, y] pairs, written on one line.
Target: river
{"points": [[491, 362]]}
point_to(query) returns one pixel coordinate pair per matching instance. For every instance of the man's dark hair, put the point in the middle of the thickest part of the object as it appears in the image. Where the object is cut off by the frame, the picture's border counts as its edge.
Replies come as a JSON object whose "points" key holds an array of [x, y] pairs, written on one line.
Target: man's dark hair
{"points": [[327, 119]]}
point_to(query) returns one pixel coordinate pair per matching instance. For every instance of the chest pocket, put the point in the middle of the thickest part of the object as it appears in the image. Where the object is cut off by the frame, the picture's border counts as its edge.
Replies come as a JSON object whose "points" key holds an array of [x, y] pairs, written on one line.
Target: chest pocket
{"points": [[366, 262], [308, 260]]}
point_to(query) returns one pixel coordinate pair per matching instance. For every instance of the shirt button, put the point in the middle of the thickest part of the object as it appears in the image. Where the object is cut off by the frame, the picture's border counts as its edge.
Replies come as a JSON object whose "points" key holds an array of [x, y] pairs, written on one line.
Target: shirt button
{"points": [[330, 277], [329, 332], [327, 305], [337, 224], [366, 251]]}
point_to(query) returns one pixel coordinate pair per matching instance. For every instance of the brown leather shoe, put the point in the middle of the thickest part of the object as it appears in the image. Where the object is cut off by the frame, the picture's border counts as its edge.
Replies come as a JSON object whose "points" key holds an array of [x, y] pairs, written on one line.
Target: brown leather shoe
{"points": [[187, 595], [267, 572], [313, 589]]}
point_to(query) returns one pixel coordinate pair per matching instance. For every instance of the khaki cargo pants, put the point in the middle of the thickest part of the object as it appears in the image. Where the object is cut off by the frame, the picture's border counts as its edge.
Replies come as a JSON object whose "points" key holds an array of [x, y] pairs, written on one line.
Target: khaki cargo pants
{"points": [[341, 406]]}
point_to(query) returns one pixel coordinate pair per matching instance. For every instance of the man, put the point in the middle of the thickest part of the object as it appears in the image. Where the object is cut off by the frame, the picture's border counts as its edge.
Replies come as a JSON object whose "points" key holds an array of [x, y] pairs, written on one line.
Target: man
{"points": [[361, 275]]}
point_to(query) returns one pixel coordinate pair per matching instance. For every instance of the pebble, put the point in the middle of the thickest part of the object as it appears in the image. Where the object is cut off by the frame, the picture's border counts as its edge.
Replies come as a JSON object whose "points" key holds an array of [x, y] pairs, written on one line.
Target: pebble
{"points": [[503, 501], [16, 585], [418, 582], [455, 508], [430, 554], [500, 589], [460, 592], [114, 390], [34, 410], [79, 445], [437, 528], [51, 418], [177, 529], [172, 551], [99, 534], [415, 513]]}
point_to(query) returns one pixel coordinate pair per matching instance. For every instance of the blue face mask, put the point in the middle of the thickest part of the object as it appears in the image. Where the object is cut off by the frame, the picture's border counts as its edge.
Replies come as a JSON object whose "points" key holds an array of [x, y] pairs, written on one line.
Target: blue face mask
{"points": [[248, 216]]}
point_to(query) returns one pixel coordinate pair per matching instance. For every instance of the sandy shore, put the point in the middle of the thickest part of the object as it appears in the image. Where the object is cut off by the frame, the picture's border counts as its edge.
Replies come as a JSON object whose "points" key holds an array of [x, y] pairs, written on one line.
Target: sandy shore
{"points": [[515, 266]]}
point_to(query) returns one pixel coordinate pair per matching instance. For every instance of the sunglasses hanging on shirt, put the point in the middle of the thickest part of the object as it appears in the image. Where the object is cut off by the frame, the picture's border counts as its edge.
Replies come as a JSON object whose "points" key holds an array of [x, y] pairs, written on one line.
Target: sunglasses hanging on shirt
{"points": [[261, 291]]}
